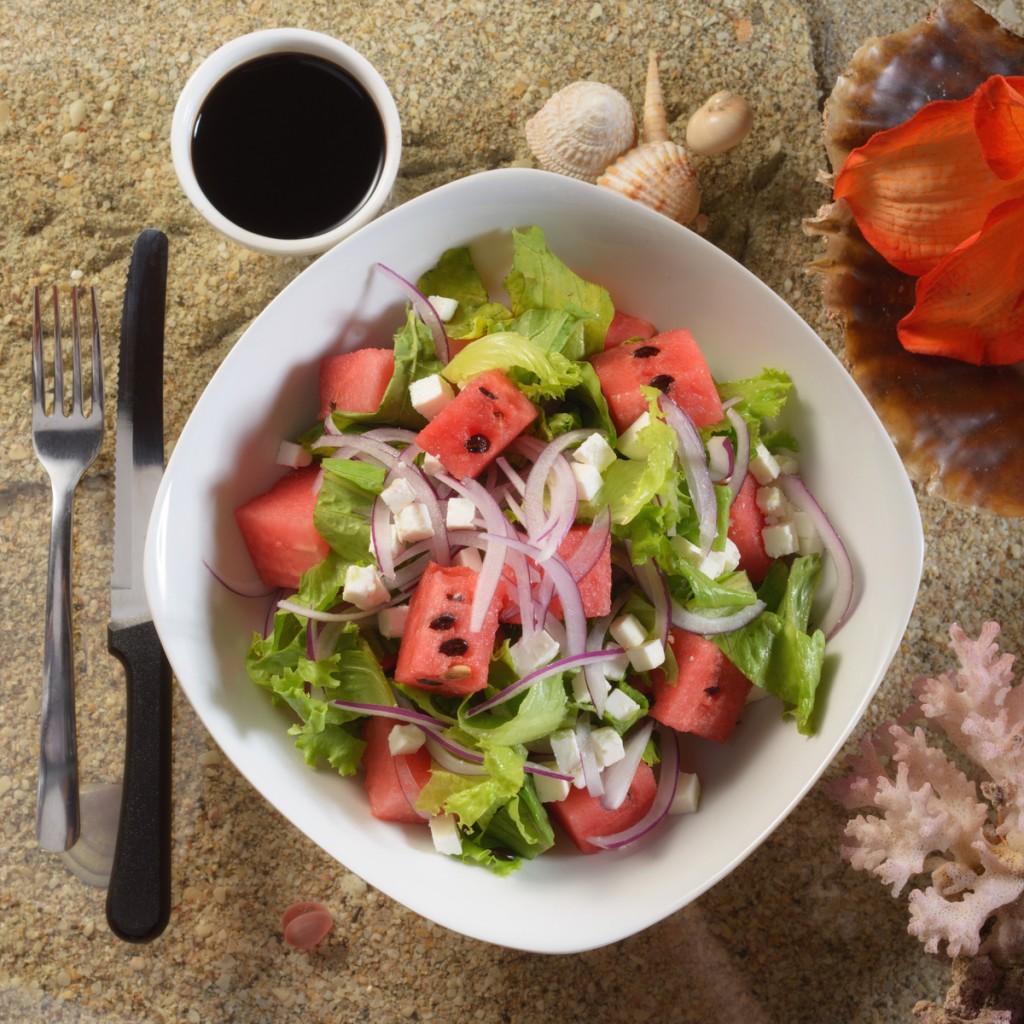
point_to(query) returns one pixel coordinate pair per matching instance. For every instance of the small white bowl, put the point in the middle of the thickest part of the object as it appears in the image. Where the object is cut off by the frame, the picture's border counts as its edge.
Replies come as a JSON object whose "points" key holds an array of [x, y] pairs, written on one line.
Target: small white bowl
{"points": [[260, 44], [266, 390]]}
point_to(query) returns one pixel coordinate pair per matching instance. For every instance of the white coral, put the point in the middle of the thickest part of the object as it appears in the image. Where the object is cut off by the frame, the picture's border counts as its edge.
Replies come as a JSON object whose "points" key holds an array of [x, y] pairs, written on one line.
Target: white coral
{"points": [[933, 819]]}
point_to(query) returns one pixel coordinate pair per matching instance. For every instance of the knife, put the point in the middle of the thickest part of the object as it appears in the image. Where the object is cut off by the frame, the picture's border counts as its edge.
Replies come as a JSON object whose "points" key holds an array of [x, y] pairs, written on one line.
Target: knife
{"points": [[139, 894]]}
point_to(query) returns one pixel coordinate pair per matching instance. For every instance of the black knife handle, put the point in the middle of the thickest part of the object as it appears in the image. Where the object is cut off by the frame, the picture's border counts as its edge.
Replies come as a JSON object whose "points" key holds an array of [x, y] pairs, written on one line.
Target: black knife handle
{"points": [[139, 896]]}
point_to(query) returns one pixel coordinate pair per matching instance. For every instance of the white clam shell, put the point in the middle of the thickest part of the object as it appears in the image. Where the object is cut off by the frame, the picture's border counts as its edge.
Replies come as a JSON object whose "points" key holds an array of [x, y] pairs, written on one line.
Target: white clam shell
{"points": [[659, 175], [581, 129]]}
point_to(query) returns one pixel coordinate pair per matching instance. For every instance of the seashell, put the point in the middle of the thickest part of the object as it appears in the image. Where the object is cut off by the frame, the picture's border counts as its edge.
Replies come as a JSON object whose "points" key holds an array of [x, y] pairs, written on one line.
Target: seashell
{"points": [[657, 173], [581, 129], [957, 426], [723, 121]]}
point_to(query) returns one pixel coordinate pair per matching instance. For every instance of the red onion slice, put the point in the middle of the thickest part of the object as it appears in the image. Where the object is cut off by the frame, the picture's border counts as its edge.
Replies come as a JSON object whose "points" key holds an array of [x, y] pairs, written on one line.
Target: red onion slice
{"points": [[424, 310], [454, 757], [655, 586], [410, 787], [797, 493], [668, 779], [720, 473], [318, 616], [713, 625], [741, 462], [238, 588], [539, 526], [588, 758], [532, 768], [399, 714], [619, 776], [695, 468], [380, 538]]}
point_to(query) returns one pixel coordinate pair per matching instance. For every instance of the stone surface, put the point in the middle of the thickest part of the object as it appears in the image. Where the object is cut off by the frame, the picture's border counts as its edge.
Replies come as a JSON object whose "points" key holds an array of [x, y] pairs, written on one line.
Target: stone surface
{"points": [[86, 96]]}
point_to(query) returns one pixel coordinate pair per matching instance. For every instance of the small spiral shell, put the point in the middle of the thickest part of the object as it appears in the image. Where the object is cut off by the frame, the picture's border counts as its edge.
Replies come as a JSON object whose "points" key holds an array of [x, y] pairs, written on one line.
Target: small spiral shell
{"points": [[581, 129]]}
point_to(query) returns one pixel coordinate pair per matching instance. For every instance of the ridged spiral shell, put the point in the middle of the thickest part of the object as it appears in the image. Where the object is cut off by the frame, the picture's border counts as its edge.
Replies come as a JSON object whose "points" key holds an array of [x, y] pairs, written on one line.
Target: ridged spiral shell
{"points": [[581, 129], [657, 173]]}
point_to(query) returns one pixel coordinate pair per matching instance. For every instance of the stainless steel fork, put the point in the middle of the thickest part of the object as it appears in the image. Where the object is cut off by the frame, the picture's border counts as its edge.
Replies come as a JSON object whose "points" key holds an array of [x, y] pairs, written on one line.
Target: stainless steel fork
{"points": [[66, 442]]}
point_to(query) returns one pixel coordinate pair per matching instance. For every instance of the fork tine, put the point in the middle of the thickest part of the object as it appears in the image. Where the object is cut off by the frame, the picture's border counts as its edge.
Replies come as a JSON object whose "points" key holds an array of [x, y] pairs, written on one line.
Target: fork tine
{"points": [[38, 397], [97, 358], [58, 357], [76, 354]]}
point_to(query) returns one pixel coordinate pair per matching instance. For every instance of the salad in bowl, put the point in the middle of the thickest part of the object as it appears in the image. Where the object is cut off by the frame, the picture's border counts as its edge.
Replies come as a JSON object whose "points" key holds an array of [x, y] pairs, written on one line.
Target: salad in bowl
{"points": [[511, 526]]}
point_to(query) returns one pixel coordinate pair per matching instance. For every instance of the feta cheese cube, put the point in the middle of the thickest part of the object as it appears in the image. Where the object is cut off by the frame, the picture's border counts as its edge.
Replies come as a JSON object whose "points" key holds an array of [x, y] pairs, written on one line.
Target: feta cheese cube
{"points": [[650, 655], [398, 494], [429, 395], [629, 444], [588, 480], [581, 691], [608, 746], [719, 459], [595, 451], [531, 652], [714, 563], [616, 666], [444, 306], [567, 755], [460, 514], [687, 798], [620, 706], [444, 830], [809, 545], [291, 454], [787, 464], [432, 465], [412, 523], [364, 587], [763, 464], [469, 557], [549, 790], [629, 631], [780, 539], [405, 739], [770, 501], [391, 621]]}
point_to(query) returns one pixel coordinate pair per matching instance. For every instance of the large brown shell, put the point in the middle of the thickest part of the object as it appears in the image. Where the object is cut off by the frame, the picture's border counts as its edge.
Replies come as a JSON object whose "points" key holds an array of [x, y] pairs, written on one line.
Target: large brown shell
{"points": [[959, 428]]}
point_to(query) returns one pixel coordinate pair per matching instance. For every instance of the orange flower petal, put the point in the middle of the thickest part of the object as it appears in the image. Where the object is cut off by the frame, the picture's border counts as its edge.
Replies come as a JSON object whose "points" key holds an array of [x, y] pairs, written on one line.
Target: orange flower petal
{"points": [[921, 188], [999, 123], [971, 306]]}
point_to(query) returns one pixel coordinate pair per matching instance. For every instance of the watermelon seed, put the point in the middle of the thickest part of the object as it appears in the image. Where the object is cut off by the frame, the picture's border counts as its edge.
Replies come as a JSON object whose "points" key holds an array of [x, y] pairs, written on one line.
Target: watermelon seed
{"points": [[477, 444], [711, 690], [662, 382], [490, 394], [453, 647], [645, 352], [502, 853], [455, 597], [444, 621], [430, 682], [458, 672]]}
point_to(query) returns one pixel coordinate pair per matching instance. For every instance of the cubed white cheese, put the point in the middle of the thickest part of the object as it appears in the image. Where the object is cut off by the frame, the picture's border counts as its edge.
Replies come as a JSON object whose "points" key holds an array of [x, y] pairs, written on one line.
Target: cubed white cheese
{"points": [[629, 631], [787, 464], [567, 754], [770, 501], [595, 451], [588, 480], [531, 652], [444, 830], [608, 747], [460, 514], [763, 464], [780, 539], [803, 524], [364, 587], [469, 557], [719, 459], [391, 621], [429, 395], [444, 306], [581, 691], [650, 655], [405, 739], [291, 454], [432, 465], [714, 563], [616, 666], [398, 494], [628, 443], [809, 545], [620, 706], [549, 790], [413, 523], [687, 798]]}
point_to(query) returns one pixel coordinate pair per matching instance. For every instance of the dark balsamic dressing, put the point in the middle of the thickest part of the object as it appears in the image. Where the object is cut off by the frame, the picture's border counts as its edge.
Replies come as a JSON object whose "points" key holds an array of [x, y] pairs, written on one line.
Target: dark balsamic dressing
{"points": [[288, 145]]}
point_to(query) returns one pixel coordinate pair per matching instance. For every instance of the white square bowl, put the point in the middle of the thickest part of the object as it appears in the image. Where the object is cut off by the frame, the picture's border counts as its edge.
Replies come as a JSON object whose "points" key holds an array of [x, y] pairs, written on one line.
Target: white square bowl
{"points": [[266, 390]]}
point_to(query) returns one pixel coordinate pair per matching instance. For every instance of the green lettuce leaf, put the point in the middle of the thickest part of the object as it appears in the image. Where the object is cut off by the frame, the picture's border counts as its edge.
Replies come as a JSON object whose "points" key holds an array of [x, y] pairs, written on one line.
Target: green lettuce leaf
{"points": [[456, 277], [342, 512], [474, 799]]}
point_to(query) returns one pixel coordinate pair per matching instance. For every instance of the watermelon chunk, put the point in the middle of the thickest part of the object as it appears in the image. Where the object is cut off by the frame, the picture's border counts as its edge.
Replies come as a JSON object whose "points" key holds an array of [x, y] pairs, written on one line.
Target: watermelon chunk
{"points": [[582, 817], [709, 695], [438, 652], [623, 327], [670, 361], [746, 521], [388, 798], [483, 419], [278, 529], [355, 381]]}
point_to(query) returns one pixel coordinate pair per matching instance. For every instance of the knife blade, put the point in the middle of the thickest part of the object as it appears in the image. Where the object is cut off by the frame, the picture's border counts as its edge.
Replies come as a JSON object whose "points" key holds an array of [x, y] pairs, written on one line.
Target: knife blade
{"points": [[139, 894]]}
